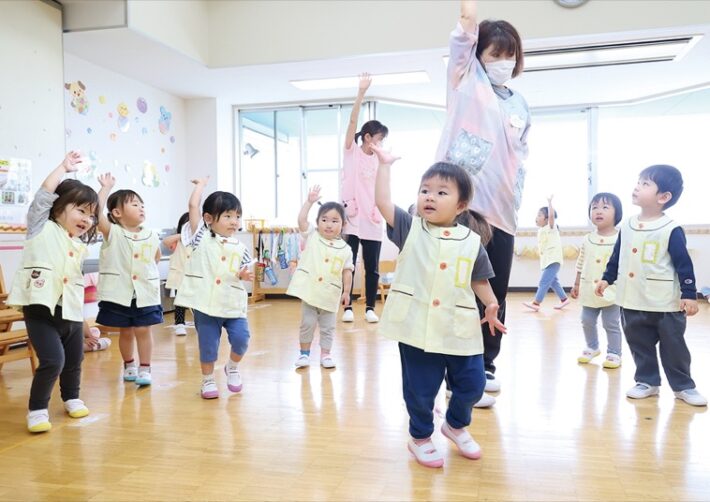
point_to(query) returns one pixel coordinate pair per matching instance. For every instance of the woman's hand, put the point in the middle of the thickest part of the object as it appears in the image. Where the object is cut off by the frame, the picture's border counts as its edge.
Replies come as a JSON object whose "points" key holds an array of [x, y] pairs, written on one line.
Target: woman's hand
{"points": [[365, 81]]}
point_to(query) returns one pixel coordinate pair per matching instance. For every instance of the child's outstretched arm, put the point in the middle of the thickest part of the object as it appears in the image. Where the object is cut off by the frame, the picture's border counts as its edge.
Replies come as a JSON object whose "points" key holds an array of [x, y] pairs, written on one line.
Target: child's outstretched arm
{"points": [[468, 15], [313, 197], [365, 81], [68, 165], [193, 204], [107, 181], [171, 241], [484, 292], [383, 193], [550, 212]]}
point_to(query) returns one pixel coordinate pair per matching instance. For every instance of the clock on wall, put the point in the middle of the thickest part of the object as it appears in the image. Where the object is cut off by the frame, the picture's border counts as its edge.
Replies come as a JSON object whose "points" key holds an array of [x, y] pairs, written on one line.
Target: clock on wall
{"points": [[570, 3]]}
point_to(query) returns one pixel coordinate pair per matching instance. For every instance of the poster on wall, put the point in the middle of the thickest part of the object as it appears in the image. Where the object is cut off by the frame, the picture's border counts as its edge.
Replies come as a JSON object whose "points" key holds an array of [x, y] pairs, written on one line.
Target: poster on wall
{"points": [[15, 178]]}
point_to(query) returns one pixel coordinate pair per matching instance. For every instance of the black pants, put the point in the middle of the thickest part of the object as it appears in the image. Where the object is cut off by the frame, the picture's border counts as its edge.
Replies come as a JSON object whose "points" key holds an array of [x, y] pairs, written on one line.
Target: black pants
{"points": [[179, 315], [500, 252], [60, 349], [371, 259]]}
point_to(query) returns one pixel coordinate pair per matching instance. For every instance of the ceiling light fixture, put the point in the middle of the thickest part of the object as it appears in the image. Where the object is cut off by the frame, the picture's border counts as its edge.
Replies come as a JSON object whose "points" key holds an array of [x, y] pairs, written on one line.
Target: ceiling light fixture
{"points": [[414, 77], [608, 54]]}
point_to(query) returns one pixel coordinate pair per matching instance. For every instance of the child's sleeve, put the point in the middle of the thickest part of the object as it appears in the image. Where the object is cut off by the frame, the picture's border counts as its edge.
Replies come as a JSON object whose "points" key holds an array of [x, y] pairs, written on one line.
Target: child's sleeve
{"points": [[38, 213], [678, 249], [482, 268], [580, 258], [188, 238], [246, 257], [402, 223], [612, 267], [349, 261]]}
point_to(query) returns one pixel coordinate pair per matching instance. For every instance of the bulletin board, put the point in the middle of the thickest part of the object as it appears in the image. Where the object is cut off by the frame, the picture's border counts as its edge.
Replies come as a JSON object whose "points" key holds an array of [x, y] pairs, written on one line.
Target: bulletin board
{"points": [[15, 195]]}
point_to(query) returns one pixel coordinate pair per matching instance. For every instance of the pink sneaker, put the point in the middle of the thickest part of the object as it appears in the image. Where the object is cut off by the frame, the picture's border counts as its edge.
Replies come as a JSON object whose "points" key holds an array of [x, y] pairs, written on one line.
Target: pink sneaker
{"points": [[464, 442], [426, 453], [209, 389], [562, 304], [532, 306]]}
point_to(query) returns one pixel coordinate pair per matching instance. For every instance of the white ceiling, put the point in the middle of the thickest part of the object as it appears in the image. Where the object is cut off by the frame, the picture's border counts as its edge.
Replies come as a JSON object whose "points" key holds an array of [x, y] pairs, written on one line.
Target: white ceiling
{"points": [[139, 57]]}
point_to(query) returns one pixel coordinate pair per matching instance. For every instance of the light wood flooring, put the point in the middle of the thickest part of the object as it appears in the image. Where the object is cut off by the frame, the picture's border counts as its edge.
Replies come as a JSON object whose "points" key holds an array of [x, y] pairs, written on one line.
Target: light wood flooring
{"points": [[560, 431]]}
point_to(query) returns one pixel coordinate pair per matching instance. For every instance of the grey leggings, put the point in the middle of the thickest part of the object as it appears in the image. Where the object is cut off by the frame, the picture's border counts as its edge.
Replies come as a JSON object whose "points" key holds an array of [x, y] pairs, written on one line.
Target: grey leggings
{"points": [[60, 349], [312, 316], [610, 320]]}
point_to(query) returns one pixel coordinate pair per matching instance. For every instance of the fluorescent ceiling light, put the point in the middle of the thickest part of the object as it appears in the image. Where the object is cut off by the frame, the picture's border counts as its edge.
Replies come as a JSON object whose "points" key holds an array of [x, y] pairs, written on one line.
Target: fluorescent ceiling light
{"points": [[415, 77], [610, 54]]}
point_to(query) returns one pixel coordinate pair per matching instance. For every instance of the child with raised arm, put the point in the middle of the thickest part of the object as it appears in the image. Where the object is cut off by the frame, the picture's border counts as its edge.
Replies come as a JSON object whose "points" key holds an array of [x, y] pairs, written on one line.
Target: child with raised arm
{"points": [[322, 279], [431, 309], [129, 281], [550, 248], [49, 286], [605, 213], [212, 284], [655, 287]]}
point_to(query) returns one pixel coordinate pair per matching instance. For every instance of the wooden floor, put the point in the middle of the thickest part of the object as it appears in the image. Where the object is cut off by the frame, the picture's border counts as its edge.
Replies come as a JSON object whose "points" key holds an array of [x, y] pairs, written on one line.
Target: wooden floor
{"points": [[560, 431]]}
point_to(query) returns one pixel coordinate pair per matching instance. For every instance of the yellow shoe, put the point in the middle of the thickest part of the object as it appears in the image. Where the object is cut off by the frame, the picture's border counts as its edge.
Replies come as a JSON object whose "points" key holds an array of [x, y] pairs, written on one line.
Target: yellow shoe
{"points": [[76, 408], [38, 421]]}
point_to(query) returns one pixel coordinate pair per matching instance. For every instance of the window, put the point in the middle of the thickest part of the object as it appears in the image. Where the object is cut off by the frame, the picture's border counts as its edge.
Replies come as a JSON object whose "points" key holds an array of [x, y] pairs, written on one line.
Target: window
{"points": [[557, 165], [671, 131]]}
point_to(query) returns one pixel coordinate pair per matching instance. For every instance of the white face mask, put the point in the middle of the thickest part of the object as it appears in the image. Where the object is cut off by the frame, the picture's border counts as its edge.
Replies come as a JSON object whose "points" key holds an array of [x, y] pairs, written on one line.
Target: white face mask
{"points": [[499, 72]]}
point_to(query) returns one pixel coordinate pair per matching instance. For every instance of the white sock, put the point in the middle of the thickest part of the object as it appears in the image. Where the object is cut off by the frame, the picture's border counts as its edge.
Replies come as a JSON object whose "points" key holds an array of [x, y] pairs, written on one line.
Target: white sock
{"points": [[208, 377], [231, 365]]}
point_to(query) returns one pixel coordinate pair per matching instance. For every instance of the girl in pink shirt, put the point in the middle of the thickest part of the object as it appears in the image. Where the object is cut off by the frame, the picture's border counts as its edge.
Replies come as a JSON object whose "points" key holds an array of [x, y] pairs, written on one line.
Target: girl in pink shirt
{"points": [[363, 226]]}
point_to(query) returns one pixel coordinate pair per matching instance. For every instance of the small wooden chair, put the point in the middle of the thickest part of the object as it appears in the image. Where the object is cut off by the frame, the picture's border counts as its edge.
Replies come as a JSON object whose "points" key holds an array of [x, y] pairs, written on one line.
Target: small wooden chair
{"points": [[9, 338], [386, 267]]}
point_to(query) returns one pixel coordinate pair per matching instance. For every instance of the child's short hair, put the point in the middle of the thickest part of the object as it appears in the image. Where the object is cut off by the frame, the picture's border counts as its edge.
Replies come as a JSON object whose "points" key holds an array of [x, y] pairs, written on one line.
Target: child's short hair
{"points": [[668, 179], [118, 199], [546, 213], [75, 192], [327, 206], [183, 219], [372, 127], [218, 203], [451, 172], [609, 198], [504, 38]]}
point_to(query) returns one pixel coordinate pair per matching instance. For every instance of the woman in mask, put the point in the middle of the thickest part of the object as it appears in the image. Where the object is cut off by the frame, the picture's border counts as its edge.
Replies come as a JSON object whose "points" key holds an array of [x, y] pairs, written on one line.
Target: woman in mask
{"points": [[485, 133]]}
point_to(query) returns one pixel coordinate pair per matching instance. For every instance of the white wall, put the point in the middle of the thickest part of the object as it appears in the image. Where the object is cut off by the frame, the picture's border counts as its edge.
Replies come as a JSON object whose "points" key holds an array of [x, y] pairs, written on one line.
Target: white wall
{"points": [[31, 110], [140, 150], [182, 25]]}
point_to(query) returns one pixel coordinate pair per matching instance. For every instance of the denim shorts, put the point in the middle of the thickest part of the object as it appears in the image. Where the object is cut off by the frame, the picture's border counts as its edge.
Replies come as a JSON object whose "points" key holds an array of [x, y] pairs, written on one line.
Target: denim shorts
{"points": [[209, 332], [118, 316]]}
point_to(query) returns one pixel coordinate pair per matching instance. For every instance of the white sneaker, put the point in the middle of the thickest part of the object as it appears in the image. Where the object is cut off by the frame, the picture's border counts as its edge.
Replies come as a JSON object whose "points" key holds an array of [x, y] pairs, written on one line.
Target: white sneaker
{"points": [[303, 361], [492, 383], [209, 389], [692, 397], [130, 373], [587, 355], [180, 330], [641, 391], [348, 316], [370, 316], [38, 421], [144, 377], [234, 379], [76, 408], [327, 361], [104, 343], [486, 401], [468, 447], [612, 361]]}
